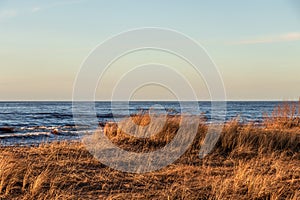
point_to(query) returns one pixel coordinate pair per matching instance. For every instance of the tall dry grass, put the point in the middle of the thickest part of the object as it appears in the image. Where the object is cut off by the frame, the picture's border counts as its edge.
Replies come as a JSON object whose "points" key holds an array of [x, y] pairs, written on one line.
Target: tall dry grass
{"points": [[248, 162], [286, 115]]}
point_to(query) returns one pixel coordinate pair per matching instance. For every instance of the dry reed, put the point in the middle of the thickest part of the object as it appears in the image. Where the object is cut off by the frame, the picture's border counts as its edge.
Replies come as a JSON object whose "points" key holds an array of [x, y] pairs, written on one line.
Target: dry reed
{"points": [[248, 162]]}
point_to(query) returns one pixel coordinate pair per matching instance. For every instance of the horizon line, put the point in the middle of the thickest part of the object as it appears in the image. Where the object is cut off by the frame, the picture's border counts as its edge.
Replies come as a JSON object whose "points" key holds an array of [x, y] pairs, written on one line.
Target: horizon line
{"points": [[161, 100]]}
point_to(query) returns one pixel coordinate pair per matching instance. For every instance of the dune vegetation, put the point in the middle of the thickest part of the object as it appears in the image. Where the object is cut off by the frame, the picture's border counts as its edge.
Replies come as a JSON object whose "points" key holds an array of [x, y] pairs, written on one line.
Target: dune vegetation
{"points": [[249, 161]]}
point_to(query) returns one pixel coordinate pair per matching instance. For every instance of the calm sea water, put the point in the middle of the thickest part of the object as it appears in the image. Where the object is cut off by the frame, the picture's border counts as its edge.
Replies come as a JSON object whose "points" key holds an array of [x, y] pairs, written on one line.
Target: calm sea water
{"points": [[35, 122]]}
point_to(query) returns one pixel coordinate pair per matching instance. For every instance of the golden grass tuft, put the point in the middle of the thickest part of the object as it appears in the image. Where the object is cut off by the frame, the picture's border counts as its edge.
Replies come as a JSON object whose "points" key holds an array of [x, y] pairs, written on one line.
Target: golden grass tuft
{"points": [[286, 115]]}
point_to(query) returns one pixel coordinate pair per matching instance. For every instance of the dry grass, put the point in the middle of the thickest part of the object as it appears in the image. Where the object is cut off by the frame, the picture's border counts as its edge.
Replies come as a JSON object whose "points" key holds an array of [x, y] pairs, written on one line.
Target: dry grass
{"points": [[248, 162]]}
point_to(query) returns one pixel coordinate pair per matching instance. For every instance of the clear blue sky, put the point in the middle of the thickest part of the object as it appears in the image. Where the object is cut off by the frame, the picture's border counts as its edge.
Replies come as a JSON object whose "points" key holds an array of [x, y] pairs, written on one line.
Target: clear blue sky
{"points": [[256, 44]]}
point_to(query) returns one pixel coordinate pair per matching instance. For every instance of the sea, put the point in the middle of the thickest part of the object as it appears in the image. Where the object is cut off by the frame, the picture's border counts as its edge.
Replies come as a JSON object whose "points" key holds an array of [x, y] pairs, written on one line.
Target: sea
{"points": [[32, 123]]}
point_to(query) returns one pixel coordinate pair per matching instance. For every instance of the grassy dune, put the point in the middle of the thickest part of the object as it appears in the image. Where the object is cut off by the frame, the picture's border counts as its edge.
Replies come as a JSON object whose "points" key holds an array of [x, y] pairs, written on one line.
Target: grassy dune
{"points": [[248, 162]]}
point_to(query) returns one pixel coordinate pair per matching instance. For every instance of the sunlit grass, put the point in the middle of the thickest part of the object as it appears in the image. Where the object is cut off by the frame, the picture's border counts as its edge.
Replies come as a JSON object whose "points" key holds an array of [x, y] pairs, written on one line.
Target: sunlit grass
{"points": [[248, 162]]}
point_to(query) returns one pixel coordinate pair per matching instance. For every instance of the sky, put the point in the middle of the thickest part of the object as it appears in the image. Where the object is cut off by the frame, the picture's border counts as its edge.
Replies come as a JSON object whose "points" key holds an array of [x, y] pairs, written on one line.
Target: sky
{"points": [[255, 44]]}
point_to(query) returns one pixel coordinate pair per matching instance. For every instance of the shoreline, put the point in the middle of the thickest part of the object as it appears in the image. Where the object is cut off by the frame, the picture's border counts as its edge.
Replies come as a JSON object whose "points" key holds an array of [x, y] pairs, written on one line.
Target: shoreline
{"points": [[247, 162]]}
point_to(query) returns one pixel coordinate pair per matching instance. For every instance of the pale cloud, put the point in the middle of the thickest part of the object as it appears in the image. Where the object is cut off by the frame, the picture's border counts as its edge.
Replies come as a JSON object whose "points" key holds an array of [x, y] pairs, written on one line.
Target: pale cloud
{"points": [[292, 36], [35, 9], [5, 14], [13, 12], [55, 4]]}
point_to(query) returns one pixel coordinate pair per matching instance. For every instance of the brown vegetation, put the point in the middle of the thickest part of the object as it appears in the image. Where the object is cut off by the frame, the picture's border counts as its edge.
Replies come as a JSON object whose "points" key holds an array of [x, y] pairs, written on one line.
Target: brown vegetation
{"points": [[248, 162]]}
